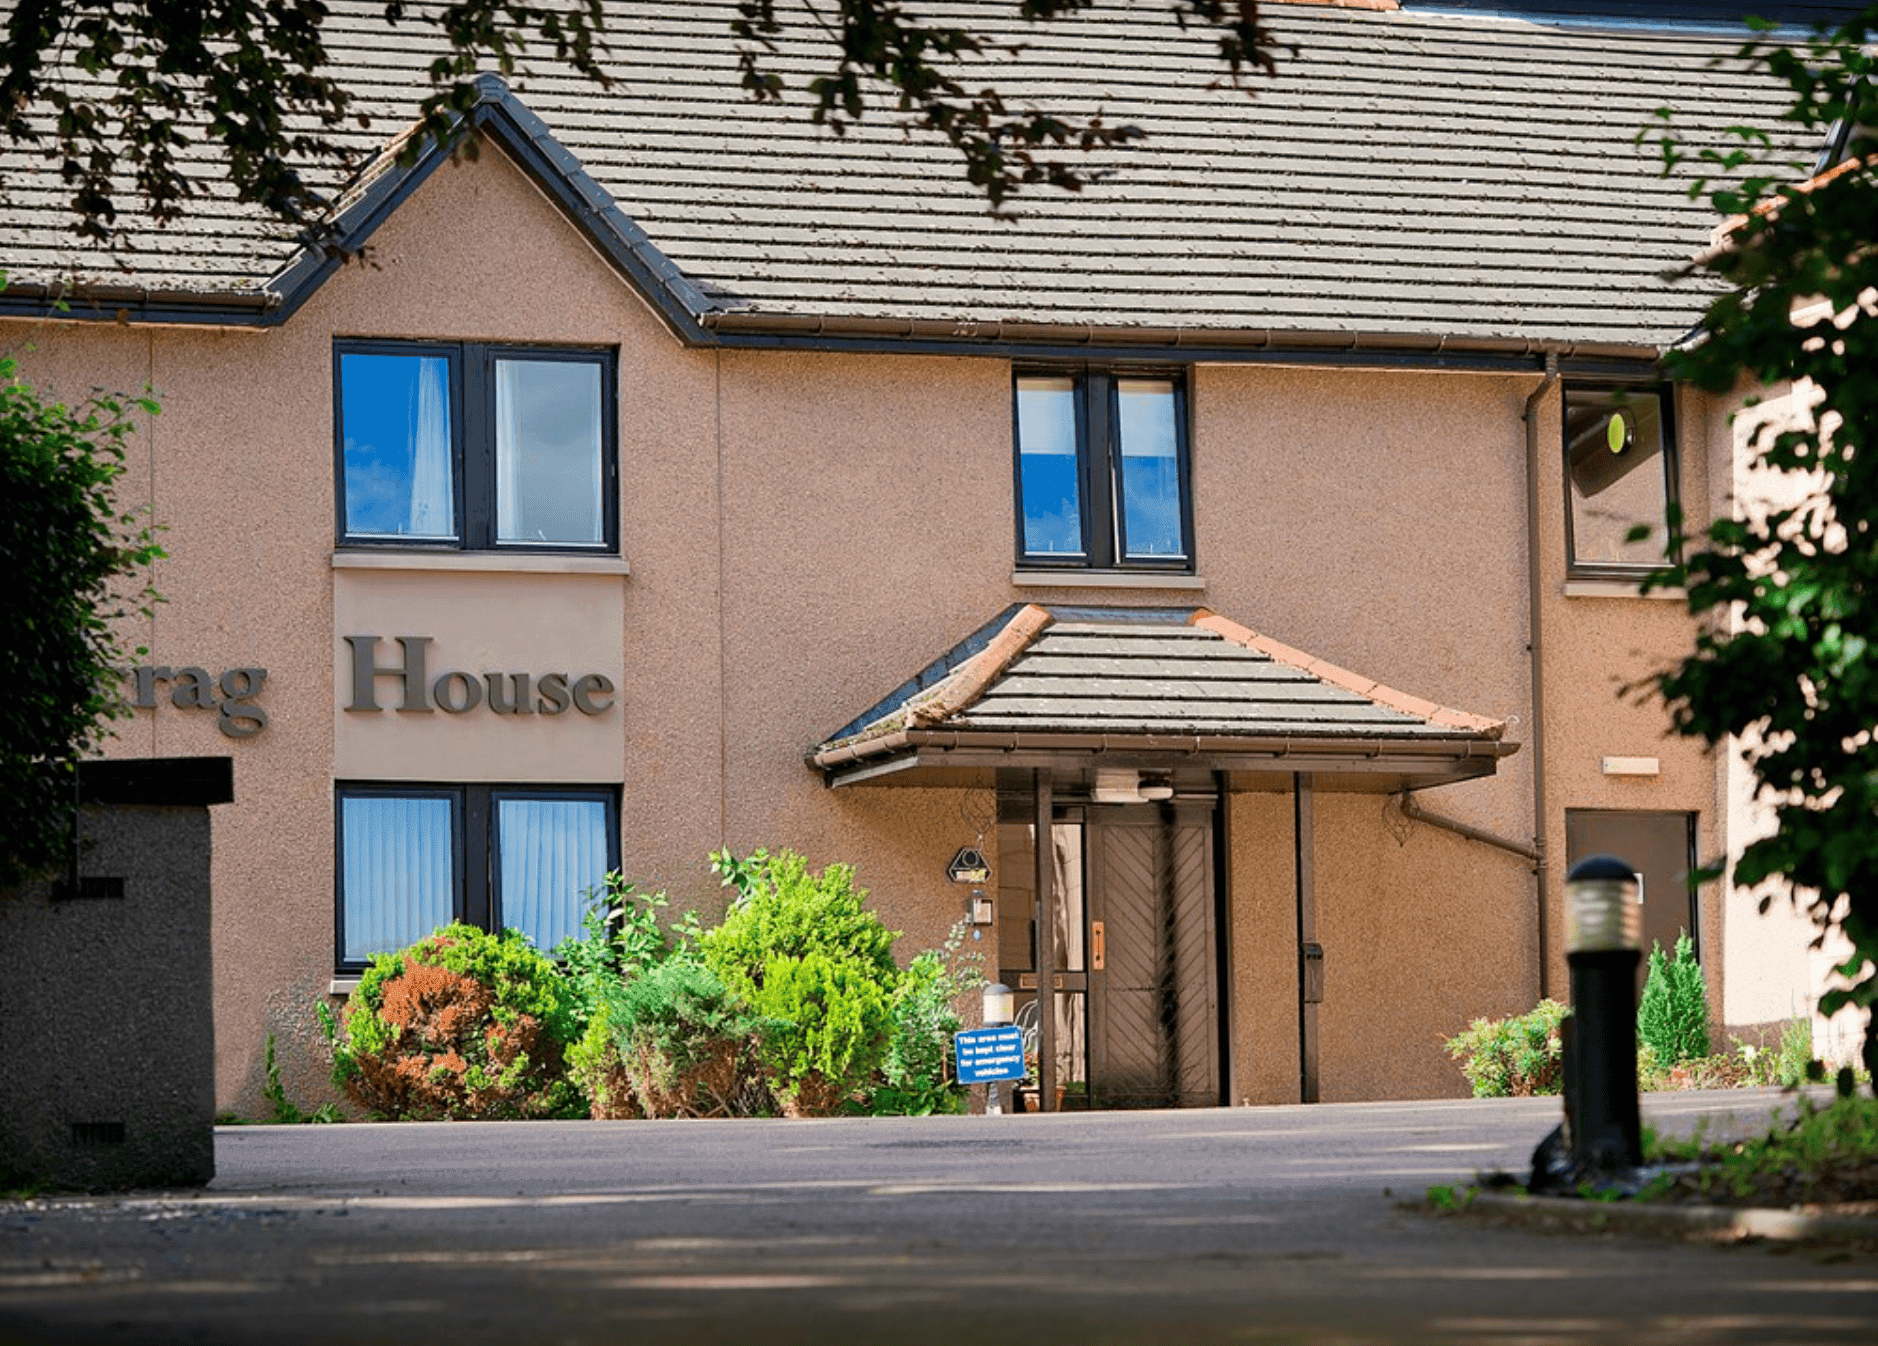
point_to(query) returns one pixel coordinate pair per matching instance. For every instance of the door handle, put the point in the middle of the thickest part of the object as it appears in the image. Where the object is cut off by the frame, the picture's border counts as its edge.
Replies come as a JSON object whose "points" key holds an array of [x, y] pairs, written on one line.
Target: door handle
{"points": [[1098, 945]]}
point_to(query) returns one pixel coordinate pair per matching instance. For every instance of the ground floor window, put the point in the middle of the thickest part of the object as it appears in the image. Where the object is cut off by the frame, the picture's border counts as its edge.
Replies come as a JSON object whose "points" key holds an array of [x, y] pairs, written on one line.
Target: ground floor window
{"points": [[413, 857]]}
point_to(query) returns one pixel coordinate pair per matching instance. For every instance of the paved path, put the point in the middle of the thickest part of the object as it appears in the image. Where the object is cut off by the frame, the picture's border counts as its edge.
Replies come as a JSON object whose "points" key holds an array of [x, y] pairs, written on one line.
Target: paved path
{"points": [[1269, 1224]]}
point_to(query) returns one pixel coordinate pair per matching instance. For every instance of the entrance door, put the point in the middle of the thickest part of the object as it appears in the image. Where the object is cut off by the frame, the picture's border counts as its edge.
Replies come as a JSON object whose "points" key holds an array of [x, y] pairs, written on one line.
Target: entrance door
{"points": [[1152, 957]]}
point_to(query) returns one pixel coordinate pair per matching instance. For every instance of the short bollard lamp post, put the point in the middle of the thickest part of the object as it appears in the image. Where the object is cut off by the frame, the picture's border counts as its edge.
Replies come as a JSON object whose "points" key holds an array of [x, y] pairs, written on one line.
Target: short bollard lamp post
{"points": [[1603, 940], [1000, 1004], [1000, 1009], [994, 1052]]}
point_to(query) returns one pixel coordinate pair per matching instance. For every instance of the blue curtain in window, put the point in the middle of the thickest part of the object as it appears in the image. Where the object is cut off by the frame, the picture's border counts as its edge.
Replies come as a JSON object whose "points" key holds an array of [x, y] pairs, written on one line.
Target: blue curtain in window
{"points": [[399, 876], [551, 851]]}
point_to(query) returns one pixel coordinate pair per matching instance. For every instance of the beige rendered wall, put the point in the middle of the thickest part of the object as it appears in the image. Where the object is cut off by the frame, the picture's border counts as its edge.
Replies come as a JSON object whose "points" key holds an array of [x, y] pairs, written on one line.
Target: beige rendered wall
{"points": [[803, 531], [1598, 640], [1772, 974], [1376, 520]]}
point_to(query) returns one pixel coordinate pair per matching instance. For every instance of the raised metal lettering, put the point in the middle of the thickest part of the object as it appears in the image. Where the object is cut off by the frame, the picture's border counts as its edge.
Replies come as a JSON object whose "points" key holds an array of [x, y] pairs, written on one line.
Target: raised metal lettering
{"points": [[240, 717], [471, 692], [589, 686], [554, 693], [412, 672], [194, 689]]}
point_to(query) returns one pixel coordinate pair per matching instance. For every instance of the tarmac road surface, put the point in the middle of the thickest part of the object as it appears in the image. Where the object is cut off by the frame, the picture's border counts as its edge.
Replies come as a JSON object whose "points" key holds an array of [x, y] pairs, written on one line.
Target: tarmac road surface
{"points": [[1243, 1225]]}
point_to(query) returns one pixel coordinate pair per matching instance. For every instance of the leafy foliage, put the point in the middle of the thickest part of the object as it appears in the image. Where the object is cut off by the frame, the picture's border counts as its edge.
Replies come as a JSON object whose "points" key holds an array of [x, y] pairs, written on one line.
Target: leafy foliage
{"points": [[829, 1025], [71, 559], [1514, 1057], [1672, 1015], [807, 954], [685, 1046], [146, 81], [1825, 1154], [282, 1109], [1786, 665], [620, 937], [915, 1079], [783, 910], [461, 1025], [125, 90], [883, 46]]}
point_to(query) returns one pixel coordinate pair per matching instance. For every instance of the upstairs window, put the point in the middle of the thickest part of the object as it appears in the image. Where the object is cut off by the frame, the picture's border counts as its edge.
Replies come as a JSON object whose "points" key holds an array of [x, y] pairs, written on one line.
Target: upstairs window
{"points": [[476, 447], [1102, 472], [1620, 471]]}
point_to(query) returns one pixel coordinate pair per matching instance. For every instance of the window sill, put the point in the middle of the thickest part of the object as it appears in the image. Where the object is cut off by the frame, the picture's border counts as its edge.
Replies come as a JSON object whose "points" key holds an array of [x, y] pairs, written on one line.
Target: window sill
{"points": [[535, 563], [1617, 588], [1104, 579], [342, 986]]}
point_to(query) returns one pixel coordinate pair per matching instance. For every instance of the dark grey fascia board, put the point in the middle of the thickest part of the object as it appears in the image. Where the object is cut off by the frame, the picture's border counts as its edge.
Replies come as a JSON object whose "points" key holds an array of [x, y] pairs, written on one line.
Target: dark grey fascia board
{"points": [[1037, 342], [122, 304]]}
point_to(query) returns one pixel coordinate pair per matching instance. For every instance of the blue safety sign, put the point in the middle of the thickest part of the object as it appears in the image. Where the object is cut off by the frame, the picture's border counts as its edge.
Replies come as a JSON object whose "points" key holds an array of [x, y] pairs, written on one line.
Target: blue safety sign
{"points": [[986, 1054]]}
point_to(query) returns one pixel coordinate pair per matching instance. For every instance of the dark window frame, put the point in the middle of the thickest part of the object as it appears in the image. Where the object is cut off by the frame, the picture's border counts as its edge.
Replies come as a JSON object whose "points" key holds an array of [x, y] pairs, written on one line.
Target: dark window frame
{"points": [[1671, 465], [477, 898], [472, 400], [1689, 820], [1098, 471]]}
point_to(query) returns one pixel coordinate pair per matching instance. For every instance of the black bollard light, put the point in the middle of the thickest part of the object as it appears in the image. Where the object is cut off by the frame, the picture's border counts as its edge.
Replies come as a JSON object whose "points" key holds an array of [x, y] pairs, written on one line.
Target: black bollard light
{"points": [[1603, 940]]}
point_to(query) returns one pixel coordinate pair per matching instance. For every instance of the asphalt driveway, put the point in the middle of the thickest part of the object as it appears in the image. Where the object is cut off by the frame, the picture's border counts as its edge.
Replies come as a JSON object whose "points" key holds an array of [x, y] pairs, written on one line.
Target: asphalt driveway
{"points": [[1268, 1224]]}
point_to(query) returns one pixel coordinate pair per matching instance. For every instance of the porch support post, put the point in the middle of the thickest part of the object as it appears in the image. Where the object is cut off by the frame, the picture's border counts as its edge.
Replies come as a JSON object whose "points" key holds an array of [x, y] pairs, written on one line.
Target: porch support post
{"points": [[1303, 800], [1046, 941]]}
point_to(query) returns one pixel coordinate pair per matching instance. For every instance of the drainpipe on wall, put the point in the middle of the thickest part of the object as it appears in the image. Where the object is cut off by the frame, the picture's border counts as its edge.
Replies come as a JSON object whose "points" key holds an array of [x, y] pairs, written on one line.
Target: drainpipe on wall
{"points": [[1534, 594]]}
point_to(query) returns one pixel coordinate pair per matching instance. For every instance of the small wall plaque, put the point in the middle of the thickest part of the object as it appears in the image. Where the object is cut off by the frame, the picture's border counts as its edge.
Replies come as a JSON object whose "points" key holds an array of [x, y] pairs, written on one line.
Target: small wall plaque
{"points": [[968, 866]]}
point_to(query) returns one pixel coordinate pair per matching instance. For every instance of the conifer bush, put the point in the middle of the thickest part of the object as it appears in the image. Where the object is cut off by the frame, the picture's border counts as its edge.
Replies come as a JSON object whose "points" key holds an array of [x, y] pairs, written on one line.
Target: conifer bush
{"points": [[1672, 1016], [672, 1041], [462, 1025], [803, 950]]}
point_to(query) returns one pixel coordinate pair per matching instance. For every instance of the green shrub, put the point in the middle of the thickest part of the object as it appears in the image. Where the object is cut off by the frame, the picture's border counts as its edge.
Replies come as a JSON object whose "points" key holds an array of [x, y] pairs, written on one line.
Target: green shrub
{"points": [[1672, 1016], [1514, 1057], [828, 1025], [686, 1046], [594, 1064], [914, 1080], [804, 951], [784, 911], [620, 937], [461, 1025]]}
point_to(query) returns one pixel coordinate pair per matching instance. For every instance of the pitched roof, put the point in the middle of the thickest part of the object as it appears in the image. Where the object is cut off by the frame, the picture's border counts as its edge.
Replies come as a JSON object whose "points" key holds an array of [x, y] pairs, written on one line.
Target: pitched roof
{"points": [[1409, 179], [1090, 683]]}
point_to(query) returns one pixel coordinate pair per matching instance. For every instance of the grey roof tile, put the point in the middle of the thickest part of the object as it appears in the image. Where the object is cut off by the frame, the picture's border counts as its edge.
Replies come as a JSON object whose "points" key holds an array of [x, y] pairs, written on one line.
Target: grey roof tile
{"points": [[1159, 676], [1412, 173]]}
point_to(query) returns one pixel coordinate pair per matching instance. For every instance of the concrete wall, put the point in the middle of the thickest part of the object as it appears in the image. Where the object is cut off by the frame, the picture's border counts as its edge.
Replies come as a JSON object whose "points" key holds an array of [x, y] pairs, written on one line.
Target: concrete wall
{"points": [[802, 531], [107, 1040]]}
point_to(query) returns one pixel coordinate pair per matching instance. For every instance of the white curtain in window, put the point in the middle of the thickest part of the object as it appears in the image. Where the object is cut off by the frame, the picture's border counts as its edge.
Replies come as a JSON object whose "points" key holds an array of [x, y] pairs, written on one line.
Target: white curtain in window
{"points": [[551, 851], [432, 502], [399, 877], [548, 452], [509, 394]]}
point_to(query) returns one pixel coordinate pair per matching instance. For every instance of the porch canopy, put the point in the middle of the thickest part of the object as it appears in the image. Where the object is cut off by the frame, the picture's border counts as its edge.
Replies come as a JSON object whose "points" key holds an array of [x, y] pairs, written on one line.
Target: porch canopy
{"points": [[1176, 695]]}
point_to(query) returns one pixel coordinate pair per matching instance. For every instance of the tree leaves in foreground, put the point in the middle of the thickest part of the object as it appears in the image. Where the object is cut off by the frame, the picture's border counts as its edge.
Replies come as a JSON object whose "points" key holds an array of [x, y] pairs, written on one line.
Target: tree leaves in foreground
{"points": [[1785, 662], [116, 92], [72, 562]]}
